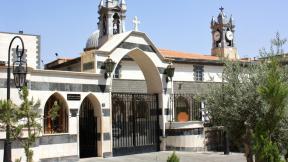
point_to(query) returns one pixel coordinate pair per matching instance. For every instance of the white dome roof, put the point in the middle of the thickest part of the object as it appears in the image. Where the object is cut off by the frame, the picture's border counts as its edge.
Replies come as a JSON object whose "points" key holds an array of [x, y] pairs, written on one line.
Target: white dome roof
{"points": [[92, 41]]}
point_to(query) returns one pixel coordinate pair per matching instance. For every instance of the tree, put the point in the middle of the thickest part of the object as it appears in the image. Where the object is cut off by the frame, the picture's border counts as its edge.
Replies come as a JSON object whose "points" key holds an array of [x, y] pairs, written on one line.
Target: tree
{"points": [[27, 119], [239, 103], [8, 117], [276, 90], [274, 93], [236, 104], [7, 113]]}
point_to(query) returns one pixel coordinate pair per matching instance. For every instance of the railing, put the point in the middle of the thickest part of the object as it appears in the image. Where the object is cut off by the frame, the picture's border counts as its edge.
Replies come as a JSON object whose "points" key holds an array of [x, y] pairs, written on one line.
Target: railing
{"points": [[135, 123], [186, 108]]}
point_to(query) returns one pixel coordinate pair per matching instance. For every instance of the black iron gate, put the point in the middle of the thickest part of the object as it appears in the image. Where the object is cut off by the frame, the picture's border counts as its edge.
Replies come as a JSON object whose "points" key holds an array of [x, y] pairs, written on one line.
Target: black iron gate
{"points": [[88, 130], [135, 123]]}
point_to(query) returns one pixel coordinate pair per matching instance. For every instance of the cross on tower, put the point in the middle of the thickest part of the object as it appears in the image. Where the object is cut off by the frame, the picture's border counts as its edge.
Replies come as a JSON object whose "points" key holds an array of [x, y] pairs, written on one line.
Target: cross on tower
{"points": [[136, 23], [221, 9]]}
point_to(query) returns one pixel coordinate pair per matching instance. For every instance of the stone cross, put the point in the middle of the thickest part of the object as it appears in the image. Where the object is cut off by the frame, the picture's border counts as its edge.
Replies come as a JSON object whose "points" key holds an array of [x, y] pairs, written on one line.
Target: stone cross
{"points": [[136, 23], [221, 9]]}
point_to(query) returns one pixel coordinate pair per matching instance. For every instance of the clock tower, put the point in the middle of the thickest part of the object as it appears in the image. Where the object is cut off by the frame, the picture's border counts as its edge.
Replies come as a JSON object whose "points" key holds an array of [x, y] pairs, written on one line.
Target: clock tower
{"points": [[223, 30]]}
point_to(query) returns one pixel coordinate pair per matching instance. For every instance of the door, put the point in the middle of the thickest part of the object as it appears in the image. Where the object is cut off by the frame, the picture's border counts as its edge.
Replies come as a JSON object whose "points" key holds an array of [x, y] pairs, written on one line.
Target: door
{"points": [[135, 123], [87, 130]]}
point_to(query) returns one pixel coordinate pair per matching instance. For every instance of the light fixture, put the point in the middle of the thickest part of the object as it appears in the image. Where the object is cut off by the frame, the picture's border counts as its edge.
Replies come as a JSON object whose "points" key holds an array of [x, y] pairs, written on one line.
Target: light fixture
{"points": [[169, 71], [109, 67], [19, 72]]}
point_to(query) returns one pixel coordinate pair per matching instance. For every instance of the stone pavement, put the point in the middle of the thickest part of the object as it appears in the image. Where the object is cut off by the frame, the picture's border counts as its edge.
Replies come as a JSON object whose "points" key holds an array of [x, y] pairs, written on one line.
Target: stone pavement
{"points": [[184, 157]]}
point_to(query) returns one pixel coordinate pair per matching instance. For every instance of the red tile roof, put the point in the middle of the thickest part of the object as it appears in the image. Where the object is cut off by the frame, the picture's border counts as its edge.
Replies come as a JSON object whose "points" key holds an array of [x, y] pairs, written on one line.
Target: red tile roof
{"points": [[176, 54]]}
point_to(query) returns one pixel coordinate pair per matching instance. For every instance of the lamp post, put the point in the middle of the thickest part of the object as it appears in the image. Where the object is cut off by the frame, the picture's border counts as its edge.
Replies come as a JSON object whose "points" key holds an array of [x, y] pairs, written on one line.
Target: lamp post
{"points": [[109, 67], [19, 71], [169, 72]]}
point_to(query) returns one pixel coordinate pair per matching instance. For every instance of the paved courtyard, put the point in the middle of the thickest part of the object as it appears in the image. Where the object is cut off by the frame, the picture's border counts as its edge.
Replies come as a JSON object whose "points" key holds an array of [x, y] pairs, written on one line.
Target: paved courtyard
{"points": [[184, 157]]}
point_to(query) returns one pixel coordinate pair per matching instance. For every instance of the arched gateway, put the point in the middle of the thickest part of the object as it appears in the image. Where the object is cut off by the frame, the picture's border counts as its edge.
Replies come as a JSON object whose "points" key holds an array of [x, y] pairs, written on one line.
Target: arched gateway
{"points": [[135, 116]]}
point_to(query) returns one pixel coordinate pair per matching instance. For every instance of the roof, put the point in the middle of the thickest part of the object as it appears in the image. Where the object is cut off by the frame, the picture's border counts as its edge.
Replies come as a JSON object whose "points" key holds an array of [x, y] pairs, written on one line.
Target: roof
{"points": [[183, 55], [178, 56], [20, 33], [62, 62], [60, 59], [117, 39]]}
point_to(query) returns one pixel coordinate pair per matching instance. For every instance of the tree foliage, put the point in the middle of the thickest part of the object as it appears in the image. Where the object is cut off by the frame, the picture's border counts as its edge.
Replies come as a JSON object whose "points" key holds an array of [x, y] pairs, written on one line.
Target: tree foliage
{"points": [[173, 158], [54, 111], [8, 114], [22, 121], [274, 93], [252, 93], [28, 114]]}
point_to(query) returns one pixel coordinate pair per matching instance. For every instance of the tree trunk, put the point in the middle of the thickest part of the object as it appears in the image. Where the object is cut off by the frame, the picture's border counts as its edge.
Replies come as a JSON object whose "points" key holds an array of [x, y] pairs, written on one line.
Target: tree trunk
{"points": [[248, 152], [29, 155], [248, 145]]}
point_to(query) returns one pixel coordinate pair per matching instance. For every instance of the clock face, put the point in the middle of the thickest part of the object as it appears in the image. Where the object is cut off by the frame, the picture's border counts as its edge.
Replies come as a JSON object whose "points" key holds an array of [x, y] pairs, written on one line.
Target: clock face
{"points": [[217, 36], [229, 35]]}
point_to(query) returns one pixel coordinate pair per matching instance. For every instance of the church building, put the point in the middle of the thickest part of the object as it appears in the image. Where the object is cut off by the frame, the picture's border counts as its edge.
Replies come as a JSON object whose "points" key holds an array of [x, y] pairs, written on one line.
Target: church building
{"points": [[123, 95]]}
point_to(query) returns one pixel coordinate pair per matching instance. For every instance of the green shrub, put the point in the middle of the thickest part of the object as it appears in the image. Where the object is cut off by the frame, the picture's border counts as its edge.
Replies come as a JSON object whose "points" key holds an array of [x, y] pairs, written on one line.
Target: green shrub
{"points": [[18, 160], [173, 158], [264, 149]]}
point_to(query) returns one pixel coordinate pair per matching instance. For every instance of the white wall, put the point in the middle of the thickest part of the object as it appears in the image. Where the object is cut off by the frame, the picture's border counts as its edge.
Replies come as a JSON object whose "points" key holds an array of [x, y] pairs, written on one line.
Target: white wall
{"points": [[31, 44], [183, 72], [130, 70]]}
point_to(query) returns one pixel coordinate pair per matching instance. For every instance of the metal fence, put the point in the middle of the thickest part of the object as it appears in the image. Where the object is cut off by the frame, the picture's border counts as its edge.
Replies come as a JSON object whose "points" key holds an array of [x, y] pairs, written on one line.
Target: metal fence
{"points": [[135, 123], [186, 108]]}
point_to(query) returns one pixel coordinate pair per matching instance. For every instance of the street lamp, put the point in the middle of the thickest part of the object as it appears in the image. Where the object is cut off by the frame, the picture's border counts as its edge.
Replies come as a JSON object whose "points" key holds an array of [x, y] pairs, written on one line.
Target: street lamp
{"points": [[19, 71], [109, 67], [169, 71]]}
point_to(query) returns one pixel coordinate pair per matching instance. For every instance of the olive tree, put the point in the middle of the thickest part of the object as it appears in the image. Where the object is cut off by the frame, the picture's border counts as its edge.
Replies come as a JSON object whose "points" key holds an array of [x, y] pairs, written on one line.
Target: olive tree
{"points": [[241, 102]]}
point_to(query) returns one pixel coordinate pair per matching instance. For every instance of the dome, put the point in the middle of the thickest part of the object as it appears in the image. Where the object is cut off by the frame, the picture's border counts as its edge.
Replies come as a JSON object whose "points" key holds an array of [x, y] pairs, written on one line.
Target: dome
{"points": [[92, 41]]}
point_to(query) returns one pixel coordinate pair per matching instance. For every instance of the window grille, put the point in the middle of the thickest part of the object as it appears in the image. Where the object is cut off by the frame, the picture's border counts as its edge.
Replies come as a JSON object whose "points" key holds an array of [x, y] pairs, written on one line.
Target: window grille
{"points": [[186, 108], [198, 72]]}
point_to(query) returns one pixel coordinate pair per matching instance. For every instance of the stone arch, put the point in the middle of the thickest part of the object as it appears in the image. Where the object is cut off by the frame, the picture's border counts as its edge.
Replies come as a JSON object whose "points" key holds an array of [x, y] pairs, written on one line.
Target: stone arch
{"points": [[96, 104], [61, 123], [127, 125], [147, 66], [90, 127]]}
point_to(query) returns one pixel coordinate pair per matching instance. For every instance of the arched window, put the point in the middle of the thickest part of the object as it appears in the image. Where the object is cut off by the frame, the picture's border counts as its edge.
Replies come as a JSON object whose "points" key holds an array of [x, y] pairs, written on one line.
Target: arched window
{"points": [[116, 24], [59, 124], [117, 71], [104, 26], [181, 109]]}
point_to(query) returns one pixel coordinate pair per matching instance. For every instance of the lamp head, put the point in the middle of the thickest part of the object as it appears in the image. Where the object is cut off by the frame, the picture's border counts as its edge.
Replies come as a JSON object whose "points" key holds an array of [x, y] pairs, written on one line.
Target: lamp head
{"points": [[19, 72], [109, 67]]}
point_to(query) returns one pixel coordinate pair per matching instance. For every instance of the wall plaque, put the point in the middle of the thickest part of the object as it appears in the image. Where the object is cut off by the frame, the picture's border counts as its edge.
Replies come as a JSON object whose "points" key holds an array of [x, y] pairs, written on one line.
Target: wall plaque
{"points": [[73, 97]]}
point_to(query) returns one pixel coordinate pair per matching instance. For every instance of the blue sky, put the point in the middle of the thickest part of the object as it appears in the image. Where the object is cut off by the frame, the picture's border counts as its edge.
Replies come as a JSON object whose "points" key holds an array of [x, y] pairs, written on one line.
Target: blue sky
{"points": [[183, 25]]}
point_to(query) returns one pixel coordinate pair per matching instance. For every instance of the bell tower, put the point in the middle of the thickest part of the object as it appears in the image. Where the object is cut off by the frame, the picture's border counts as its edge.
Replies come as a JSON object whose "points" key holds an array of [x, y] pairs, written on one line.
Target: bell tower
{"points": [[112, 15], [223, 30]]}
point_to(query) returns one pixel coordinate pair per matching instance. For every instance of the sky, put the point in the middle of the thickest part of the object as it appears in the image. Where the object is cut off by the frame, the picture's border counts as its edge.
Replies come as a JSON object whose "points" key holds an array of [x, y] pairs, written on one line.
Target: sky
{"points": [[182, 25]]}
